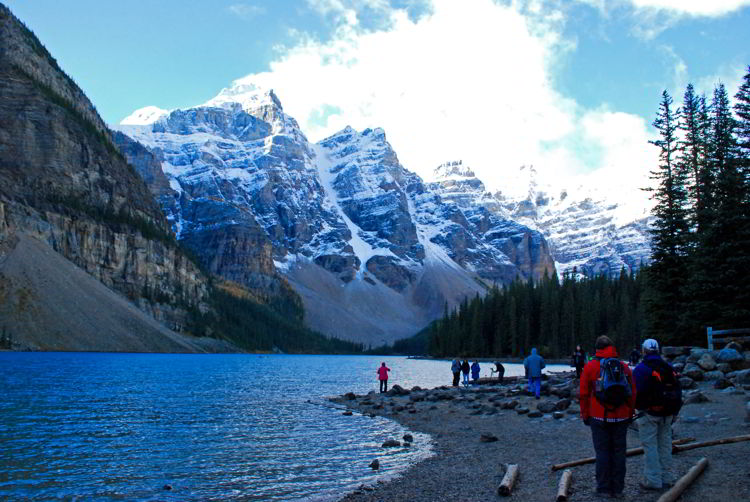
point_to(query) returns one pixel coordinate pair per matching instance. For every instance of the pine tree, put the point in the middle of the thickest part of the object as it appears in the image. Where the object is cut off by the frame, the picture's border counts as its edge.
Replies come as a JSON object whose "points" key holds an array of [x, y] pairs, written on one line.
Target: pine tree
{"points": [[669, 236]]}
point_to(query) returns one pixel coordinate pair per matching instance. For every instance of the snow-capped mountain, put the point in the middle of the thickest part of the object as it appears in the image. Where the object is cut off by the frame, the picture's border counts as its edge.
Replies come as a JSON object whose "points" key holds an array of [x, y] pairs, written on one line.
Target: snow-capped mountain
{"points": [[588, 230], [374, 252]]}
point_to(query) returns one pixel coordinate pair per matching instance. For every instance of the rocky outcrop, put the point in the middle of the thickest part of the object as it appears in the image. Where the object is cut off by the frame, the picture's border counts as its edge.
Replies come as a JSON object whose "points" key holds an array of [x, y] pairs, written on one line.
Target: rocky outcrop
{"points": [[64, 182]]}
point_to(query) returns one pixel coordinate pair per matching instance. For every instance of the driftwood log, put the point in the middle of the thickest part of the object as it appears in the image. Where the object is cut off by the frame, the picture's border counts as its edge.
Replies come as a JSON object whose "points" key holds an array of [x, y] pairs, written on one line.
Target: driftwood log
{"points": [[682, 484], [506, 486], [628, 453], [692, 446], [564, 486]]}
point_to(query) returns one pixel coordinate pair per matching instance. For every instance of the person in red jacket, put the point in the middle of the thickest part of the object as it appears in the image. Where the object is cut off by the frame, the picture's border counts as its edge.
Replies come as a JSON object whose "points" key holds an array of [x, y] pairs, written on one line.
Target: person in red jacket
{"points": [[383, 377], [608, 422]]}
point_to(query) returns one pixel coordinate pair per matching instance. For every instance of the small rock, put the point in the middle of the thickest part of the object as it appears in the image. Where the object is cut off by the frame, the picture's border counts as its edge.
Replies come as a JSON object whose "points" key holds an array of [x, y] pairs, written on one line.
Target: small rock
{"points": [[687, 383], [408, 438], [706, 362], [563, 404], [350, 396], [412, 410], [487, 438], [347, 413], [678, 367], [573, 411], [693, 371], [509, 405], [690, 420], [713, 375], [722, 383], [695, 397], [558, 415], [522, 410], [724, 367], [546, 406], [375, 464], [390, 443], [167, 487], [535, 414]]}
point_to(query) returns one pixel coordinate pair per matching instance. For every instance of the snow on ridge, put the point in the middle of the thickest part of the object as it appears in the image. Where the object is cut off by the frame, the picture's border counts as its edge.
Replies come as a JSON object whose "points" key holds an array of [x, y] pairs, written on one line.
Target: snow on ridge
{"points": [[144, 116], [247, 95], [455, 170]]}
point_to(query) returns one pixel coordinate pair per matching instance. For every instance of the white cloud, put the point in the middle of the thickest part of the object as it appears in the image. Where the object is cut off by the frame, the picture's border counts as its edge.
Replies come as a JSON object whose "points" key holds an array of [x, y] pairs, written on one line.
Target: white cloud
{"points": [[469, 80], [246, 11], [711, 8]]}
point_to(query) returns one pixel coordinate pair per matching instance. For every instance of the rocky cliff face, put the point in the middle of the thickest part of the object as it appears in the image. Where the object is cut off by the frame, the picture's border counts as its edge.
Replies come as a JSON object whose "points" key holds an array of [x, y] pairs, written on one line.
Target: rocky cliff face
{"points": [[63, 182], [588, 231], [374, 252]]}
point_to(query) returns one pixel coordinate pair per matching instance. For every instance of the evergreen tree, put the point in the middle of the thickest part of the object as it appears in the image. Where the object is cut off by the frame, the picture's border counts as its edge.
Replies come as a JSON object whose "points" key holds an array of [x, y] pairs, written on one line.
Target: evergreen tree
{"points": [[669, 235]]}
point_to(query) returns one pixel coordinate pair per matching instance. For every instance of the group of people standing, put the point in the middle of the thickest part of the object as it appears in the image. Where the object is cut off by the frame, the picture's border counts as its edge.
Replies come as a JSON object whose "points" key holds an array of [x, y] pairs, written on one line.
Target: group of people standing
{"points": [[458, 367], [609, 394]]}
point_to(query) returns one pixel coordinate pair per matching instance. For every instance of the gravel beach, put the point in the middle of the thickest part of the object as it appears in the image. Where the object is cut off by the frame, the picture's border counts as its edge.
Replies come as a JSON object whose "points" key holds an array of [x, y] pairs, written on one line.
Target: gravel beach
{"points": [[468, 467]]}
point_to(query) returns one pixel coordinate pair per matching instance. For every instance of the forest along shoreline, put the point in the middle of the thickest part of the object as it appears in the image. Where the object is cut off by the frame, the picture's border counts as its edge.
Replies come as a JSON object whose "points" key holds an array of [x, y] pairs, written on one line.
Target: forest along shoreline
{"points": [[479, 430]]}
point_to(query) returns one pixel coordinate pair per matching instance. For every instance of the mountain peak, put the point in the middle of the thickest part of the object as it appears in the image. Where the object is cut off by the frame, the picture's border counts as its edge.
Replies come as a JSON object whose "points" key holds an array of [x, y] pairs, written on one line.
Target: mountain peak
{"points": [[144, 116], [452, 170], [248, 95]]}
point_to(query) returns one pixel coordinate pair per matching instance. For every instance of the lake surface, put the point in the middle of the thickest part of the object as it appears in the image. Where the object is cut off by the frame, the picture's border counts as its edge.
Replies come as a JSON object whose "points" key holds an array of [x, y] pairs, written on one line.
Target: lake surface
{"points": [[238, 426]]}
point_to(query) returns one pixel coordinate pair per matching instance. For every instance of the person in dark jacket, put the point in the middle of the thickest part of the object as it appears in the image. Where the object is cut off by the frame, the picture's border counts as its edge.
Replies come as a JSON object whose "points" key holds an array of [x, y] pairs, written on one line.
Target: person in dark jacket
{"points": [[533, 366], [578, 360], [500, 370], [635, 356], [465, 368], [475, 368], [655, 426], [456, 369], [609, 424]]}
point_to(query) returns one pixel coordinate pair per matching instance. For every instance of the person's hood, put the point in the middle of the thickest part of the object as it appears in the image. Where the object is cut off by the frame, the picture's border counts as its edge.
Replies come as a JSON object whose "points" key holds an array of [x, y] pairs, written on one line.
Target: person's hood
{"points": [[533, 352], [610, 351]]}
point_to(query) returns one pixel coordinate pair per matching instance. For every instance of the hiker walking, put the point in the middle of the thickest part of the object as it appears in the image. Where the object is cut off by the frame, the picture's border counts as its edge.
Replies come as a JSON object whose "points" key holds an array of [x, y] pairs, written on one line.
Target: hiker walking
{"points": [[660, 397], [607, 402], [578, 360], [456, 369], [475, 371], [635, 355], [383, 377], [533, 366], [465, 370]]}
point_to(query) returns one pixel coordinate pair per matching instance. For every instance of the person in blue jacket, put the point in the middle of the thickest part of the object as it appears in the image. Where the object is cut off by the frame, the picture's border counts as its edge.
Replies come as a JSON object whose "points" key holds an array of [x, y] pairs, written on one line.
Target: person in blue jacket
{"points": [[475, 371], [533, 366]]}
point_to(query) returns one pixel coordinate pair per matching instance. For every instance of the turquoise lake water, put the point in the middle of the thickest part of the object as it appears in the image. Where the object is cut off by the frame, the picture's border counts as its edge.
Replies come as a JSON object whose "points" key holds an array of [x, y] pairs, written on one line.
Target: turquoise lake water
{"points": [[213, 427]]}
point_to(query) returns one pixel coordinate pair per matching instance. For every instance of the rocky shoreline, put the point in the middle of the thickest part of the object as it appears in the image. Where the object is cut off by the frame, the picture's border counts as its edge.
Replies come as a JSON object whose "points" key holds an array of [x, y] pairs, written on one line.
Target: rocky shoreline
{"points": [[478, 431]]}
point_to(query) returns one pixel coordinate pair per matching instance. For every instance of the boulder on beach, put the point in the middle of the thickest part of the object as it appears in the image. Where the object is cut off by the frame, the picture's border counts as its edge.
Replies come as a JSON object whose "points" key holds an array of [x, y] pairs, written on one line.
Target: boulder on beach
{"points": [[397, 390], [695, 397], [713, 375], [563, 404], [706, 362], [546, 406], [390, 443], [522, 410], [349, 396], [722, 383], [558, 415], [687, 383], [693, 371], [728, 355], [487, 438], [375, 464], [509, 405], [408, 438], [535, 414]]}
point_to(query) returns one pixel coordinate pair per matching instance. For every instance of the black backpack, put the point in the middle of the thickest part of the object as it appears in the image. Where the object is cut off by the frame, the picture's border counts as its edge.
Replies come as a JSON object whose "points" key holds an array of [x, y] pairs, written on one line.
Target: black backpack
{"points": [[663, 392], [612, 387]]}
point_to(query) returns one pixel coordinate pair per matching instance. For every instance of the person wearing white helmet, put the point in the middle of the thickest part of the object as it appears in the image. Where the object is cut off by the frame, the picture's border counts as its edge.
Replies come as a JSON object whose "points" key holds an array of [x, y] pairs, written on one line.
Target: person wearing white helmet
{"points": [[659, 397]]}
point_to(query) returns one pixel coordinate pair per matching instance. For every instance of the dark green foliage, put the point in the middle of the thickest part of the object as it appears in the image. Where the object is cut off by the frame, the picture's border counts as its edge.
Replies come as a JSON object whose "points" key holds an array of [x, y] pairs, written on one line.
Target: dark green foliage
{"points": [[548, 315], [670, 233], [255, 327], [699, 273]]}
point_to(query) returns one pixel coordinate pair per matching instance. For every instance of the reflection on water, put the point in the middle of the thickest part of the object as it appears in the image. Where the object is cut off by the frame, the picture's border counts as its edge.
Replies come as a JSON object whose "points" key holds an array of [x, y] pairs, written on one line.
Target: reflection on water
{"points": [[250, 427]]}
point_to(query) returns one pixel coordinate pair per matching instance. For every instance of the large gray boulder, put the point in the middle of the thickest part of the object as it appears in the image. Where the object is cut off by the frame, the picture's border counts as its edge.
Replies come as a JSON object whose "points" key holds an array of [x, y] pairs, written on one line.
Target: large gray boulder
{"points": [[742, 377], [713, 375], [727, 355], [706, 362], [687, 382], [696, 353], [693, 371]]}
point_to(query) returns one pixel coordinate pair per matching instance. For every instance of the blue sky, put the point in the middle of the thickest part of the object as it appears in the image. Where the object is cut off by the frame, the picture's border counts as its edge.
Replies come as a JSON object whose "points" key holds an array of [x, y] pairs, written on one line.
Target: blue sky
{"points": [[568, 85]]}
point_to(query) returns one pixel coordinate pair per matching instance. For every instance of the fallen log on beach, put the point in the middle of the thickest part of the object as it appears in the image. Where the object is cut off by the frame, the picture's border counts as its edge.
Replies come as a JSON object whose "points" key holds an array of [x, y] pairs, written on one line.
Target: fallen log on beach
{"points": [[684, 482], [692, 446], [628, 453], [564, 486], [506, 486]]}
